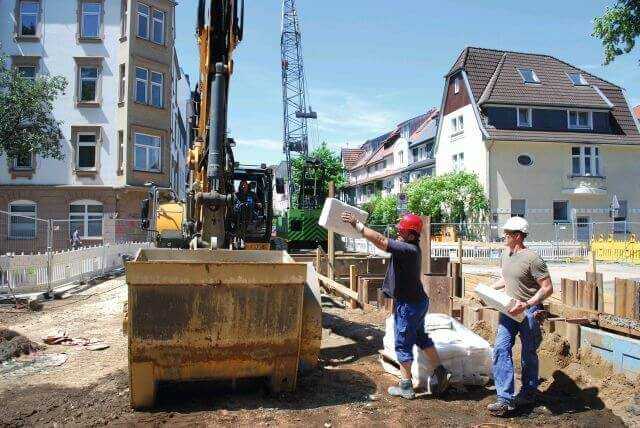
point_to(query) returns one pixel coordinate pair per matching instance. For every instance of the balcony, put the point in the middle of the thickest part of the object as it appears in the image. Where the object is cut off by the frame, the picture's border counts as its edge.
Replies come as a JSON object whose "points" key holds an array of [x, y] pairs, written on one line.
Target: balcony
{"points": [[587, 185]]}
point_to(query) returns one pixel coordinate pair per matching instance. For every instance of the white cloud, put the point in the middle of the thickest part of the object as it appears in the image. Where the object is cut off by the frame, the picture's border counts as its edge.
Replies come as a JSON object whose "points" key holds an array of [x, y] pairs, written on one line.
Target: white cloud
{"points": [[259, 143]]}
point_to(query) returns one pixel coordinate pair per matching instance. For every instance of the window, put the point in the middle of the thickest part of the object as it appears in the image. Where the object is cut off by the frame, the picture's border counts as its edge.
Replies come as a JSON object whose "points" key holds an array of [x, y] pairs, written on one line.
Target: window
{"points": [[524, 117], [24, 162], [90, 20], [456, 85], [123, 83], [585, 160], [401, 157], [120, 168], [86, 218], [29, 13], [123, 19], [560, 211], [156, 89], [415, 155], [86, 151], [142, 82], [143, 21], [457, 125], [518, 207], [458, 162], [22, 221], [525, 160], [28, 72], [577, 79], [158, 27], [528, 75], [147, 152], [88, 89], [578, 119], [620, 217]]}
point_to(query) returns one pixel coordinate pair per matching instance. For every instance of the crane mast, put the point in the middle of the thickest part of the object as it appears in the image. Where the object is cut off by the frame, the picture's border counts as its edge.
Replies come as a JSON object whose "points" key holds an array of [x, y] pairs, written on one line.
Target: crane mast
{"points": [[294, 102]]}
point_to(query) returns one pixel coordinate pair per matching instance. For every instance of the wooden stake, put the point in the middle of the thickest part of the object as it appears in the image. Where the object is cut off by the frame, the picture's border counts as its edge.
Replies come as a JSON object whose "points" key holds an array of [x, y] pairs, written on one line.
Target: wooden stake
{"points": [[330, 243], [353, 283]]}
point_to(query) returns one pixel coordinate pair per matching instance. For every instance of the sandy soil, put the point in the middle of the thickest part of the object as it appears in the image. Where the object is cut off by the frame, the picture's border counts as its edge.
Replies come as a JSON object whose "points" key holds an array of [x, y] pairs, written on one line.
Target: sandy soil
{"points": [[91, 387]]}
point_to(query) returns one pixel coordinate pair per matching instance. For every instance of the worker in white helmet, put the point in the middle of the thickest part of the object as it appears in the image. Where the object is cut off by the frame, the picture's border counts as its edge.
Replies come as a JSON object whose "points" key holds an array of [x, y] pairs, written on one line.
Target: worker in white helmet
{"points": [[525, 278]]}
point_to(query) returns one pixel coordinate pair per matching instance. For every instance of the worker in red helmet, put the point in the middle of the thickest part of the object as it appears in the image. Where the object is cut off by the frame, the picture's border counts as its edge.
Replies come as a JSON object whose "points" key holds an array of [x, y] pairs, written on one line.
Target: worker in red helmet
{"points": [[403, 284]]}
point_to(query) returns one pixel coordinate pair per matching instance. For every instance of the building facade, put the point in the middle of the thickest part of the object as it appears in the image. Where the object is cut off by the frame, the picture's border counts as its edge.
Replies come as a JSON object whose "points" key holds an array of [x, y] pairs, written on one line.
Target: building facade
{"points": [[385, 164], [547, 140], [119, 61]]}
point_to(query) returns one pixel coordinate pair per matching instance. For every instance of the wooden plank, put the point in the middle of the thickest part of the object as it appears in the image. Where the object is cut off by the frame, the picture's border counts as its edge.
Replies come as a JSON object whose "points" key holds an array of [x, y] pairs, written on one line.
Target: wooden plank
{"points": [[330, 239], [455, 270], [363, 292], [597, 279], [630, 299], [561, 310], [338, 288], [620, 290], [580, 295], [353, 284], [425, 246], [438, 288]]}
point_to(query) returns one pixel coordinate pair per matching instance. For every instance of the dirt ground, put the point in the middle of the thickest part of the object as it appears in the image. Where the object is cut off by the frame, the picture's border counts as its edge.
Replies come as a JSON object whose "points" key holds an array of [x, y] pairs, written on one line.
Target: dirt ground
{"points": [[91, 387]]}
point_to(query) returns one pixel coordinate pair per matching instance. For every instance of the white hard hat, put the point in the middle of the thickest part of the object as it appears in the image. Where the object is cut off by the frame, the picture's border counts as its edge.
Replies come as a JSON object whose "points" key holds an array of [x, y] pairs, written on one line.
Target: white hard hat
{"points": [[516, 224]]}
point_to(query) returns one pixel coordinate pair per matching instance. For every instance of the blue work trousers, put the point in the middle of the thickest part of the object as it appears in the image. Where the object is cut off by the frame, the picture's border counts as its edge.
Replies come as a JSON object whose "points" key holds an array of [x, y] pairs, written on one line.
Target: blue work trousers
{"points": [[503, 369], [408, 318]]}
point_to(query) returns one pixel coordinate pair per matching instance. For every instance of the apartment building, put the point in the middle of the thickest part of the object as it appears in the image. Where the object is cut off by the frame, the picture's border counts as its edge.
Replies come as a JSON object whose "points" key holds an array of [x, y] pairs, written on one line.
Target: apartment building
{"points": [[118, 112], [181, 112], [383, 165], [548, 141]]}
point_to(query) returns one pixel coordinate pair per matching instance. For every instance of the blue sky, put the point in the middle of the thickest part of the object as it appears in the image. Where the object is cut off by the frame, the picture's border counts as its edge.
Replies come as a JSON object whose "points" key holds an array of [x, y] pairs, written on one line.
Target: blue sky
{"points": [[372, 63]]}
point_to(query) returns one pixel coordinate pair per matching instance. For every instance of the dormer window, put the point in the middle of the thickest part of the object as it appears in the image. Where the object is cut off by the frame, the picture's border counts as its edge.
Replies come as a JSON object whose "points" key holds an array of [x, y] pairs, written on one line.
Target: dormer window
{"points": [[528, 75], [524, 117], [577, 79], [456, 85], [579, 119]]}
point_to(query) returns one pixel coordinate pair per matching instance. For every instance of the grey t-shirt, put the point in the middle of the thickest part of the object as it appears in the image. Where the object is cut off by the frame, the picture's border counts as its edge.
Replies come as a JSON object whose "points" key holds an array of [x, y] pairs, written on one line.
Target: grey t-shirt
{"points": [[521, 272]]}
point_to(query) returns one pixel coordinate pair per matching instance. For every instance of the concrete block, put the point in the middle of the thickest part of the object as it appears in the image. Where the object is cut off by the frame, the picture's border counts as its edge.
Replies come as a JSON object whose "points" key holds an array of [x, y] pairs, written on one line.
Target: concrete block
{"points": [[498, 300], [331, 213]]}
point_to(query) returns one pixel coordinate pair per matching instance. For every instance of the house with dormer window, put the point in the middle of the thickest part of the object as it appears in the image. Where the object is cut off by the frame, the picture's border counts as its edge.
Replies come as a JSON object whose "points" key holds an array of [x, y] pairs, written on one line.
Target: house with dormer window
{"points": [[548, 141]]}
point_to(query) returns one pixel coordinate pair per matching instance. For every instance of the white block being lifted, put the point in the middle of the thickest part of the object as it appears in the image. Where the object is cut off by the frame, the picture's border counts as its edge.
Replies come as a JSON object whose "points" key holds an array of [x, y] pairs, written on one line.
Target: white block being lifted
{"points": [[498, 300], [330, 218]]}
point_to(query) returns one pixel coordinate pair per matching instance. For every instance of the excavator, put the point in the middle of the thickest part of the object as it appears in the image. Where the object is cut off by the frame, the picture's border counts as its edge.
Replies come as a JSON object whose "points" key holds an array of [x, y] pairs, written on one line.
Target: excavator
{"points": [[211, 301], [215, 213]]}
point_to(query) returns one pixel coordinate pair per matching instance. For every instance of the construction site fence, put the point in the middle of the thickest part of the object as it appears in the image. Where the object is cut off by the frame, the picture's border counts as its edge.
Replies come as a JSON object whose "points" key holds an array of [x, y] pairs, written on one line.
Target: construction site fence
{"points": [[43, 272], [483, 252], [22, 232]]}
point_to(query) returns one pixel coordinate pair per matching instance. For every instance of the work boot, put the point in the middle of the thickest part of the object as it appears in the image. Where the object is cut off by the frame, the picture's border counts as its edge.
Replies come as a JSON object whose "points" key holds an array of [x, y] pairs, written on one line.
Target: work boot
{"points": [[500, 408], [404, 390], [442, 377], [526, 397]]}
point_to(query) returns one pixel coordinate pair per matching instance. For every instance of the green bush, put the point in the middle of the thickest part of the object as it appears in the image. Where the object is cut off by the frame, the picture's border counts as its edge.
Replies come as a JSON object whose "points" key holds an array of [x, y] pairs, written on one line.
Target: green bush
{"points": [[382, 209]]}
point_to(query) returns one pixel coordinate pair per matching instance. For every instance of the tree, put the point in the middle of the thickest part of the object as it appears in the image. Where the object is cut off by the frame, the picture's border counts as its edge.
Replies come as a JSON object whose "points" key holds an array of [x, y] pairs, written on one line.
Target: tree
{"points": [[26, 121], [618, 28], [331, 168], [450, 198], [382, 210]]}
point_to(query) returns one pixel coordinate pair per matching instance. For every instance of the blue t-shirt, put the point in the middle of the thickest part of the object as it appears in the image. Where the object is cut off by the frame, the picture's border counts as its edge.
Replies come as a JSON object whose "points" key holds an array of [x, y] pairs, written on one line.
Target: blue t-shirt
{"points": [[402, 281]]}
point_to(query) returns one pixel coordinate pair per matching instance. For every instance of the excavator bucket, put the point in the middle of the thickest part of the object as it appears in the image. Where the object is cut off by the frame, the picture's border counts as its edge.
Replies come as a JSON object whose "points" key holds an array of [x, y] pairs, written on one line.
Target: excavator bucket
{"points": [[202, 314]]}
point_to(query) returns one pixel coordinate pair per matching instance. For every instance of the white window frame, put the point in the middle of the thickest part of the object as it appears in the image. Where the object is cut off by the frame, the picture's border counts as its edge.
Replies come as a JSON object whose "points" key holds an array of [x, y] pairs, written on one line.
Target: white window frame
{"points": [[529, 122], [12, 214], [122, 83], [153, 27], [153, 85], [457, 125], [458, 161], [567, 219], [146, 14], [577, 113], [37, 15], [595, 162], [582, 82], [124, 18], [86, 216], [146, 86], [535, 77], [456, 85], [96, 81], [82, 16], [16, 167], [87, 144], [147, 149]]}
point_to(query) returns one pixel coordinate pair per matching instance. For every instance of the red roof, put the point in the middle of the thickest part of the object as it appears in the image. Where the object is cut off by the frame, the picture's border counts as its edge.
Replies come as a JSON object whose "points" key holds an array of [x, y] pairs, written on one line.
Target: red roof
{"points": [[350, 157]]}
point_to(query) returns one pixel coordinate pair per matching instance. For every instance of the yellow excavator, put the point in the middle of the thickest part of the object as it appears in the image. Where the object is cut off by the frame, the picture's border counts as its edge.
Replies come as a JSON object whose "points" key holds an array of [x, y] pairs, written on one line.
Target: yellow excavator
{"points": [[198, 312], [217, 212]]}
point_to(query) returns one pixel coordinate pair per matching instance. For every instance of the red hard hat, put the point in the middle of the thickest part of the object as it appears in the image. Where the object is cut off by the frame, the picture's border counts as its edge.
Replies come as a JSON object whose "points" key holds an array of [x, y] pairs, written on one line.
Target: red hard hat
{"points": [[410, 223]]}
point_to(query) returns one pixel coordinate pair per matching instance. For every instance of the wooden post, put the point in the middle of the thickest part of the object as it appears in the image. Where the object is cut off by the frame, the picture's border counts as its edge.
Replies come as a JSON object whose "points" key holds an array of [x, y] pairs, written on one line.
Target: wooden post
{"points": [[460, 252], [330, 243], [353, 284], [318, 260], [592, 262], [425, 246]]}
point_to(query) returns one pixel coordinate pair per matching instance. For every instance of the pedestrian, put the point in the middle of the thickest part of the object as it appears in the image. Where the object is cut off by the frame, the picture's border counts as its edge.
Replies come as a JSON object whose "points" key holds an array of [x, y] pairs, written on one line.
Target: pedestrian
{"points": [[75, 239], [402, 283], [525, 277]]}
